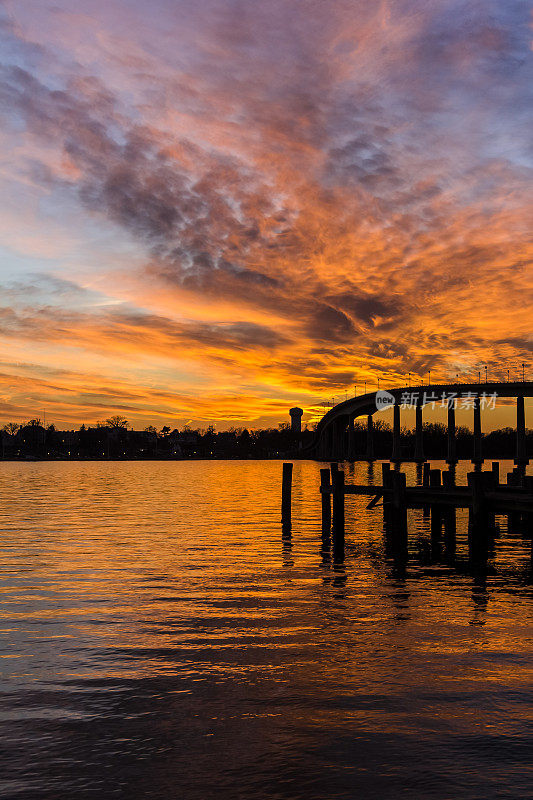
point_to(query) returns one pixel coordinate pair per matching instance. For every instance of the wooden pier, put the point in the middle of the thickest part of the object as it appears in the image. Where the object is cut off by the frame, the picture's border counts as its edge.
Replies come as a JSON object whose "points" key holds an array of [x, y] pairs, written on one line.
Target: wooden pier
{"points": [[484, 496]]}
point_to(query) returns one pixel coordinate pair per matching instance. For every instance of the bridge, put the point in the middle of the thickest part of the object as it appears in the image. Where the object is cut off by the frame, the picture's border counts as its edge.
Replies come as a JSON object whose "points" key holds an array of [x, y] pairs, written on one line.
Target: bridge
{"points": [[335, 435]]}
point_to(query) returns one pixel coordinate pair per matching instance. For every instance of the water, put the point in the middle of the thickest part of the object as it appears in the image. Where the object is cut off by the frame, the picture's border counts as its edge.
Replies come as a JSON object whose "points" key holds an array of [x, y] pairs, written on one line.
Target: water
{"points": [[161, 640]]}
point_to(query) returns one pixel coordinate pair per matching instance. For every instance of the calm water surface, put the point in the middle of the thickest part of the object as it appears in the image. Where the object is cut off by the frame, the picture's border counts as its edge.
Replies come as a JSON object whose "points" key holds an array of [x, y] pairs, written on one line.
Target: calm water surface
{"points": [[162, 640]]}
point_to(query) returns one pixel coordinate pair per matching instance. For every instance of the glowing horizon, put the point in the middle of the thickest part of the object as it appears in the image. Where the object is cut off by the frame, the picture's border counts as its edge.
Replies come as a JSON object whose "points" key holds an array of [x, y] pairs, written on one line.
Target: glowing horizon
{"points": [[212, 213]]}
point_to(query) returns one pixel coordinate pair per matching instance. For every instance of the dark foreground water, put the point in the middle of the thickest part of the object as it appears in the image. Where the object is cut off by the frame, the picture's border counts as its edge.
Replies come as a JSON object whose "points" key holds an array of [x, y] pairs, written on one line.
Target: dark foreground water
{"points": [[160, 640]]}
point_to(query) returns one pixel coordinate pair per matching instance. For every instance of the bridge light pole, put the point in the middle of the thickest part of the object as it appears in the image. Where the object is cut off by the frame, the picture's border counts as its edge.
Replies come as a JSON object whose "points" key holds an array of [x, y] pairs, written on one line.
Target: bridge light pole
{"points": [[429, 377], [523, 373], [508, 376], [378, 384], [409, 380], [486, 368]]}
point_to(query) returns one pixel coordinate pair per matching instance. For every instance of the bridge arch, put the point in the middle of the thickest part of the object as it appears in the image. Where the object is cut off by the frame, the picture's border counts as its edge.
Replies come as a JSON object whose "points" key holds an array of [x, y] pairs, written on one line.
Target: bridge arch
{"points": [[330, 441]]}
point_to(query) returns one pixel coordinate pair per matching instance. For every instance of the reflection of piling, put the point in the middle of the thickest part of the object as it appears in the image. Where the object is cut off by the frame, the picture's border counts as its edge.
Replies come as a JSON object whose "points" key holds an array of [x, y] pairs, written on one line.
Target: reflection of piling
{"points": [[286, 492]]}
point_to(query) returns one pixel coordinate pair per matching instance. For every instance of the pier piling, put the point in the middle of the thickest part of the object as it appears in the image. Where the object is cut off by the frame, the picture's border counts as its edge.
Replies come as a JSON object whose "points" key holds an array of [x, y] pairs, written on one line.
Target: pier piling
{"points": [[338, 502], [425, 484], [386, 477], [286, 494], [484, 497], [399, 512], [338, 516], [435, 482], [325, 484]]}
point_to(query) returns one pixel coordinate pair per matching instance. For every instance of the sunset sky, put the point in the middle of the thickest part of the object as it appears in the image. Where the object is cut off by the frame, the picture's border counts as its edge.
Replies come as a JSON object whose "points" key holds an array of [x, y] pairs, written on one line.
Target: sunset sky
{"points": [[212, 211]]}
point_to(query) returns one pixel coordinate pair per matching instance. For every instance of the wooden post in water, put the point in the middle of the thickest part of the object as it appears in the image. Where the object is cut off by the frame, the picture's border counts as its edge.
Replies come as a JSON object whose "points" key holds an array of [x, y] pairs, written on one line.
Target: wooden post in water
{"points": [[528, 518], [425, 484], [338, 500], [478, 519], [326, 500], [513, 518], [449, 516], [477, 483], [386, 477], [338, 515], [528, 483], [399, 510], [286, 494], [436, 513], [495, 466]]}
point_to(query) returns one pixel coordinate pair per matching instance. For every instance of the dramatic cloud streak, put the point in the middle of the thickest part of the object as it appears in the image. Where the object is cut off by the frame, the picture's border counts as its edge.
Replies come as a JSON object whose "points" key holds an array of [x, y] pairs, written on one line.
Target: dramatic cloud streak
{"points": [[283, 198]]}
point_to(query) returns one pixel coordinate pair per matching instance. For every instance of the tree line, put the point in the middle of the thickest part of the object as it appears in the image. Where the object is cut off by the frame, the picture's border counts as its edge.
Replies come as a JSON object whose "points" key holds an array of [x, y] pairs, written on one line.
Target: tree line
{"points": [[114, 439]]}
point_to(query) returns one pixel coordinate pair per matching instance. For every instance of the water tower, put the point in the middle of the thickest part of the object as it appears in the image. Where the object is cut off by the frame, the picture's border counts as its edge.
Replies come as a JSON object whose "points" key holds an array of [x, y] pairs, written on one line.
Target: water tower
{"points": [[296, 420]]}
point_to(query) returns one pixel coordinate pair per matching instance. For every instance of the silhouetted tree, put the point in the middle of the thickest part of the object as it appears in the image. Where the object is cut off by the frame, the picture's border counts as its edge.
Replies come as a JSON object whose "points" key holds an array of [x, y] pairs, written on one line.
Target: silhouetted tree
{"points": [[116, 422]]}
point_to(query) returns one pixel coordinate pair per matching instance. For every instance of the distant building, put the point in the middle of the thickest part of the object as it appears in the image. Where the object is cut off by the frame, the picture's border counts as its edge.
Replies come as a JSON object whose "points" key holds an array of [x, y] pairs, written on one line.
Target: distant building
{"points": [[296, 420]]}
